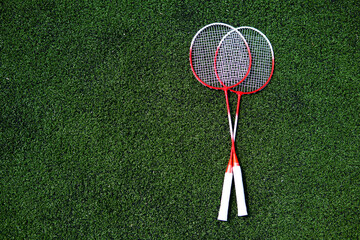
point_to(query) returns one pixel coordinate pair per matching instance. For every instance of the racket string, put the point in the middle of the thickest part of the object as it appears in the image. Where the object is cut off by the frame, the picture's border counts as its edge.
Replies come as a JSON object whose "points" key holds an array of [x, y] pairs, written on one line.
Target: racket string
{"points": [[232, 60], [261, 62], [203, 51]]}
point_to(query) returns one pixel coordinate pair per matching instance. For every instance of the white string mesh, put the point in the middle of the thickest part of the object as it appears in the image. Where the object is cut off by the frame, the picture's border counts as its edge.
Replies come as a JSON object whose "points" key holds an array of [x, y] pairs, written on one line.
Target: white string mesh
{"points": [[202, 52], [232, 59], [262, 60]]}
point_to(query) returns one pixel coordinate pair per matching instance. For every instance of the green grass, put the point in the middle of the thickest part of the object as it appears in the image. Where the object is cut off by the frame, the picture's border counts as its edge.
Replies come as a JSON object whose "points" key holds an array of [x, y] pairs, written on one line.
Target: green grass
{"points": [[106, 134]]}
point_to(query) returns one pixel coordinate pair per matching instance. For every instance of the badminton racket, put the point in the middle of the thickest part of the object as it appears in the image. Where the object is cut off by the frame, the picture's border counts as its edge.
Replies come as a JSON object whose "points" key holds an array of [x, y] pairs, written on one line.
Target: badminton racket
{"points": [[261, 71], [203, 48]]}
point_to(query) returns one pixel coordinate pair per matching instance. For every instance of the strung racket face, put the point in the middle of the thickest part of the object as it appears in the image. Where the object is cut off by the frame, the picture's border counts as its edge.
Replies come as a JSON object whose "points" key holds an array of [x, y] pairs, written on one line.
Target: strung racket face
{"points": [[262, 56], [202, 54], [232, 59]]}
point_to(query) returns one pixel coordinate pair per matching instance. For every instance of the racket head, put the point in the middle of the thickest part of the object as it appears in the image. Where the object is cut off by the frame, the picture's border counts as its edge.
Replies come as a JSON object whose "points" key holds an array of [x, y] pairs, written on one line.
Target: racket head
{"points": [[202, 53], [262, 64], [232, 61]]}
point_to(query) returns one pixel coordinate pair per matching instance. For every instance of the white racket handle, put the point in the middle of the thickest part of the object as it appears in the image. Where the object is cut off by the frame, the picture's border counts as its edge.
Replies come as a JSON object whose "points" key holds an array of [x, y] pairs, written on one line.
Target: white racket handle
{"points": [[225, 197], [239, 189]]}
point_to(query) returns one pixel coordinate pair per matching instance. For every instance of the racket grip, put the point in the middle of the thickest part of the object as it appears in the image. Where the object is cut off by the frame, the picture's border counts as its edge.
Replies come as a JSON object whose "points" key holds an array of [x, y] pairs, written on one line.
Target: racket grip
{"points": [[239, 189], [225, 197]]}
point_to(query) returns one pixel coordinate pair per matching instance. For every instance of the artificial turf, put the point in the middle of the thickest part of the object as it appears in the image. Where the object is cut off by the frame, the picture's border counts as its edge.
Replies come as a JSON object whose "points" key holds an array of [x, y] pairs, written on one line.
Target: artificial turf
{"points": [[106, 134]]}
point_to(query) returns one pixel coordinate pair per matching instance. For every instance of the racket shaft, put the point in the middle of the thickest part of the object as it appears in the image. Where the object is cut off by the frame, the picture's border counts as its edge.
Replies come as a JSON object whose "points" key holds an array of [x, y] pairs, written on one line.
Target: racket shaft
{"points": [[237, 115], [225, 197], [235, 125]]}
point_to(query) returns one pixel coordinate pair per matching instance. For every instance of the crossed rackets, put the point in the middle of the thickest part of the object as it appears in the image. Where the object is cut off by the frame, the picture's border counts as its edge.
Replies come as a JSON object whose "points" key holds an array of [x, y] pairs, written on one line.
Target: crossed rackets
{"points": [[240, 60]]}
